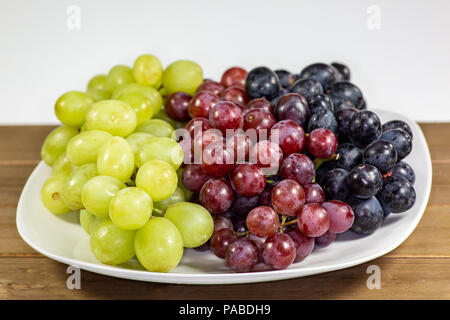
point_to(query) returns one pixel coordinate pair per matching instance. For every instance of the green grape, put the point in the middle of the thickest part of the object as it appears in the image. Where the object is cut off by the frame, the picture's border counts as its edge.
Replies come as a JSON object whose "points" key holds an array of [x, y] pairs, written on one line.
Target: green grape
{"points": [[111, 244], [55, 143], [97, 193], [51, 195], [163, 116], [148, 70], [115, 117], [138, 139], [140, 104], [83, 148], [130, 208], [182, 75], [187, 193], [158, 179], [151, 93], [98, 94], [87, 220], [97, 82], [62, 166], [71, 191], [177, 196], [160, 148], [119, 76], [159, 245], [156, 127], [194, 222], [71, 108], [116, 159]]}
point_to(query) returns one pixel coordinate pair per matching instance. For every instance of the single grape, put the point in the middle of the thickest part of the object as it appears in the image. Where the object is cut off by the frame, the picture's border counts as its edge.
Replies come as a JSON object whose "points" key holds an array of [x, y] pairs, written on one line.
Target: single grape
{"points": [[260, 103], [193, 221], [248, 180], [138, 139], [342, 103], [288, 197], [398, 124], [243, 205], [218, 160], [160, 148], [343, 118], [343, 70], [234, 76], [211, 86], [364, 127], [381, 154], [51, 195], [263, 221], [401, 169], [348, 90], [397, 195], [151, 93], [221, 240], [307, 88], [325, 240], [313, 193], [112, 116], [235, 94], [216, 196], [239, 223], [71, 191], [177, 196], [71, 108], [334, 183], [321, 72], [368, 214], [313, 220], [401, 141], [202, 103], [341, 215], [259, 120], [286, 78], [97, 82], [194, 177], [222, 222], [261, 82], [177, 106], [349, 156], [323, 119], [84, 147], [291, 136], [97, 193], [293, 106], [322, 143], [87, 220], [303, 245], [226, 115], [197, 125], [279, 251], [159, 245], [364, 181], [62, 166], [119, 76], [298, 167], [204, 247], [320, 102], [55, 143], [140, 104], [242, 255], [148, 70], [156, 127], [182, 75], [116, 159], [98, 94], [157, 178]]}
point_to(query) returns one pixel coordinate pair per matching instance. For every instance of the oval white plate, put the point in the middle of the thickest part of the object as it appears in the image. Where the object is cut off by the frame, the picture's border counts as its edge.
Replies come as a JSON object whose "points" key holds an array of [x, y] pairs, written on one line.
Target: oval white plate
{"points": [[61, 237]]}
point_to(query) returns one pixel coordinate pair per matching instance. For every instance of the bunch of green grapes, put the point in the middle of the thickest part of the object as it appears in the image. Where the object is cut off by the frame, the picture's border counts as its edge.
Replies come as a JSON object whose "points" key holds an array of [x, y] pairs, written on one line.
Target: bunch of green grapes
{"points": [[114, 161]]}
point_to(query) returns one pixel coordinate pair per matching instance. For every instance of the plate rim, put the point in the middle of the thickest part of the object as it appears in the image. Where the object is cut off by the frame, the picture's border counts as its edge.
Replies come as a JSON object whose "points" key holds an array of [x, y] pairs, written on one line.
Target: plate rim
{"points": [[227, 278]]}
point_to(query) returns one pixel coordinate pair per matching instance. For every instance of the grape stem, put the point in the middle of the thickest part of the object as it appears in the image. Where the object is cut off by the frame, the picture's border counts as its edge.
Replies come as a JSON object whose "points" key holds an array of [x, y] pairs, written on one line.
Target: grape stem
{"points": [[242, 234], [159, 212], [285, 223]]}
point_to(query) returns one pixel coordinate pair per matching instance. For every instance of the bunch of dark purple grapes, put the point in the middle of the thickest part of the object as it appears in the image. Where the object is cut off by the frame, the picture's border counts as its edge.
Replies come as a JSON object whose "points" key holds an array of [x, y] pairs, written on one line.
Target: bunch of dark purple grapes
{"points": [[316, 188]]}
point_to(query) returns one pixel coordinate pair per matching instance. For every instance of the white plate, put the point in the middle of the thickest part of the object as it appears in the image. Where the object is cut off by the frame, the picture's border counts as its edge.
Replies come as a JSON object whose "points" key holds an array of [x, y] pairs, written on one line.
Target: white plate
{"points": [[61, 237]]}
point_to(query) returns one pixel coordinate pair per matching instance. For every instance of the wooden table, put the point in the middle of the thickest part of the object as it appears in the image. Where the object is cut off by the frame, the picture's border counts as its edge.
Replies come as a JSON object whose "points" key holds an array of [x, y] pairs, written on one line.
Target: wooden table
{"points": [[418, 269]]}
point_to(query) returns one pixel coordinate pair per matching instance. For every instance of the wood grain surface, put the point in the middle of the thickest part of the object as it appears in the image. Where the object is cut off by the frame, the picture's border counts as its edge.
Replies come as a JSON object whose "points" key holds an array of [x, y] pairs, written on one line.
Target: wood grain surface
{"points": [[418, 269]]}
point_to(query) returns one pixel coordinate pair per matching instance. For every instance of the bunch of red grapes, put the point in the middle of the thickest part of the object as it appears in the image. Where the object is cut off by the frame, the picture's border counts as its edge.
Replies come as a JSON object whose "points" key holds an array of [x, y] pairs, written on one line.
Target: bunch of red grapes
{"points": [[268, 210]]}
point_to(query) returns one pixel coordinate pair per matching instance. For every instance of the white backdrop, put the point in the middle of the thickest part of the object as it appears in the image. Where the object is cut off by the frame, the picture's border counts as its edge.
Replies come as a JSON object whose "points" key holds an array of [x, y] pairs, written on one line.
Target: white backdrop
{"points": [[398, 51]]}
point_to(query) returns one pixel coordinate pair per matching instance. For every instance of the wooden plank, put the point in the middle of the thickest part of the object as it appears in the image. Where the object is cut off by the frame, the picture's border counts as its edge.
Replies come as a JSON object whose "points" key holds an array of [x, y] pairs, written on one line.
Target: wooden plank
{"points": [[38, 278], [437, 136]]}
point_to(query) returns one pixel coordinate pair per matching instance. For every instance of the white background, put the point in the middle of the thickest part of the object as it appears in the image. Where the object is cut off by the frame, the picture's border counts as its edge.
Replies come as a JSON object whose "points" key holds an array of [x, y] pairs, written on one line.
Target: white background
{"points": [[403, 65]]}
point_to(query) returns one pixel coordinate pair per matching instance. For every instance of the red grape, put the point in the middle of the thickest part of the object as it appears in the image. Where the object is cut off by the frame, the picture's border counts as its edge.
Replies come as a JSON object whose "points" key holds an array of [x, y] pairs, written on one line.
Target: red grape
{"points": [[298, 167], [177, 106], [197, 125], [341, 215], [226, 115], [293, 106], [242, 205], [211, 86], [313, 220], [291, 136], [259, 119], [242, 255], [322, 143], [325, 239], [279, 251], [202, 103], [314, 193], [248, 180], [304, 245], [205, 138], [265, 198], [240, 144], [234, 76], [260, 103], [235, 94], [221, 240], [261, 267], [222, 222], [217, 160], [263, 221], [194, 177], [266, 154], [216, 196], [288, 197]]}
